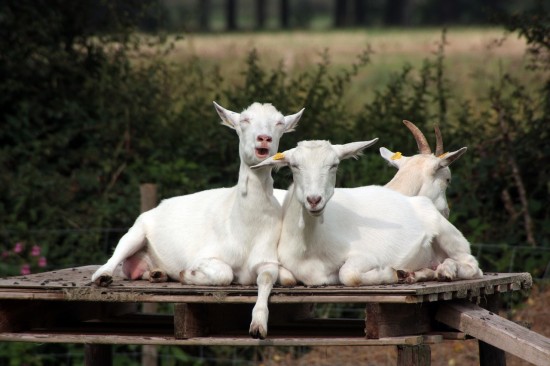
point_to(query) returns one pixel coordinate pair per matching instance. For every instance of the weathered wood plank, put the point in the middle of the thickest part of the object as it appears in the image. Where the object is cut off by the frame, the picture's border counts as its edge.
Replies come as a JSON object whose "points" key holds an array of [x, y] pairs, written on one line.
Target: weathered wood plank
{"points": [[74, 284], [98, 355], [490, 355], [36, 337], [18, 315], [495, 330], [199, 298], [391, 320], [189, 321], [419, 355]]}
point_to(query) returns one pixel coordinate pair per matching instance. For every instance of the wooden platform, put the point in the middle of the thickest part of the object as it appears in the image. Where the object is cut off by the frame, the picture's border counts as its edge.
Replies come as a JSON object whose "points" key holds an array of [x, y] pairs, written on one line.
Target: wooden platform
{"points": [[65, 307], [74, 284]]}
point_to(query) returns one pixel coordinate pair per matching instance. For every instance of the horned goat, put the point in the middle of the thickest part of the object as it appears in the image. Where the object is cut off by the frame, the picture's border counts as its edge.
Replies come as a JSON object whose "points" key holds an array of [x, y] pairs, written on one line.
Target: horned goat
{"points": [[423, 174], [363, 236], [218, 236]]}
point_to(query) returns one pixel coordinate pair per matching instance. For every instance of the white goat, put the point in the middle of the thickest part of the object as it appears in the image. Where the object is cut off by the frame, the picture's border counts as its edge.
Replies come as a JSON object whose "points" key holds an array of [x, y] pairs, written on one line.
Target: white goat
{"points": [[423, 174], [363, 234], [217, 236]]}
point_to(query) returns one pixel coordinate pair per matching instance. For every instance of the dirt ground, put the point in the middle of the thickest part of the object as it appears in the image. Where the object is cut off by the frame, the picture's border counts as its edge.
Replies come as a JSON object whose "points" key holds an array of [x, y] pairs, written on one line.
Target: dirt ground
{"points": [[534, 312]]}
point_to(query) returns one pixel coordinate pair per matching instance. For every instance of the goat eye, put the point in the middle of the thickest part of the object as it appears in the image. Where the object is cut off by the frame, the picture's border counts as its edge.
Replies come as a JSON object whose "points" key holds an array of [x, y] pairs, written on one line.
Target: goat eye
{"points": [[293, 166], [334, 166]]}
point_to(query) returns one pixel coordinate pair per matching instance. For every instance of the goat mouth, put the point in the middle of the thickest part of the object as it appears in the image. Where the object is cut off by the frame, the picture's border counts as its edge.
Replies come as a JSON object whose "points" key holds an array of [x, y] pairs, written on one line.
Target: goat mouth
{"points": [[316, 212], [262, 152]]}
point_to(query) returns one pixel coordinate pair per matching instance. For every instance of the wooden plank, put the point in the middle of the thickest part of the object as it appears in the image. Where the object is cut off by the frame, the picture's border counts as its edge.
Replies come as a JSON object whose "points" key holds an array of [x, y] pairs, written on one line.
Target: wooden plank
{"points": [[372, 321], [98, 355], [148, 201], [189, 321], [70, 278], [235, 298], [37, 337], [499, 332], [391, 320], [447, 335], [419, 355], [490, 355], [73, 284], [18, 315]]}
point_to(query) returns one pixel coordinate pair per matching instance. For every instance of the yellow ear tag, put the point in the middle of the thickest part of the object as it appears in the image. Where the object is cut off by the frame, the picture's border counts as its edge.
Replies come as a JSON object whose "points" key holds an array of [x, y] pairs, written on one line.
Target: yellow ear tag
{"points": [[278, 156], [396, 156], [442, 155]]}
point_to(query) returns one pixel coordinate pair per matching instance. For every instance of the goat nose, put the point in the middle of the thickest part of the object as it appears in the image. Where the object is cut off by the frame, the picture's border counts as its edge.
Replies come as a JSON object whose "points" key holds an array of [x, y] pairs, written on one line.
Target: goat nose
{"points": [[314, 200], [264, 138]]}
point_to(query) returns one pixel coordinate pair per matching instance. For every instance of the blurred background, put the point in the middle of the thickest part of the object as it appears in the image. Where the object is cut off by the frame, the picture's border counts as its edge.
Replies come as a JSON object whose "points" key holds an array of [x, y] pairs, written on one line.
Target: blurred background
{"points": [[99, 97]]}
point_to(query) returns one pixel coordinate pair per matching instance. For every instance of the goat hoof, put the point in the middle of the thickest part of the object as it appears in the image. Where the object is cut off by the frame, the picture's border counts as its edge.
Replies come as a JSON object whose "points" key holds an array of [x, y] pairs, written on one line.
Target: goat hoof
{"points": [[441, 277], [257, 332], [158, 276], [103, 280], [402, 276]]}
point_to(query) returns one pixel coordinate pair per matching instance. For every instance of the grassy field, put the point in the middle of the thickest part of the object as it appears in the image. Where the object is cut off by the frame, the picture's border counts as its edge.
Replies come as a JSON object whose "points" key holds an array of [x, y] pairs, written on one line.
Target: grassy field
{"points": [[474, 56]]}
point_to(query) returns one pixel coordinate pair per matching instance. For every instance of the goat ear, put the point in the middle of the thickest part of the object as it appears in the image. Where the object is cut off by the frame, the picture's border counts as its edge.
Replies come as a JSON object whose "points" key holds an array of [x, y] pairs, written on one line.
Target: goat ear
{"points": [[395, 159], [291, 121], [448, 158], [353, 149], [276, 161], [229, 118]]}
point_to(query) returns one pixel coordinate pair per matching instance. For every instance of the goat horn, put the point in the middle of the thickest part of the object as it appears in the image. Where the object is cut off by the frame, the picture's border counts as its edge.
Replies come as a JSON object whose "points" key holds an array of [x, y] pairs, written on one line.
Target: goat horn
{"points": [[421, 141], [438, 141]]}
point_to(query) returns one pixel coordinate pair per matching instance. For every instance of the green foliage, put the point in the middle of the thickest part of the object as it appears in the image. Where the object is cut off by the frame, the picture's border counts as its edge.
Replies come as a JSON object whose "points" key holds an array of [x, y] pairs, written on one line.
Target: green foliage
{"points": [[87, 120], [90, 110]]}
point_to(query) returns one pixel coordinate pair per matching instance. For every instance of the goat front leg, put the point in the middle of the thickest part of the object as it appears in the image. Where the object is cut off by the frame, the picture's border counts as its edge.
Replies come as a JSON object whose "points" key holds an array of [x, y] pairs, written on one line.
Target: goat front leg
{"points": [[267, 275], [463, 267], [460, 262]]}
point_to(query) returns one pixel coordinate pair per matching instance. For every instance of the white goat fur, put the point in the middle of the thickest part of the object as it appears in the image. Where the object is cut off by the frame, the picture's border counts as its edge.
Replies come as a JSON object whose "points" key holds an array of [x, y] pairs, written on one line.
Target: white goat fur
{"points": [[363, 235], [423, 174], [217, 236]]}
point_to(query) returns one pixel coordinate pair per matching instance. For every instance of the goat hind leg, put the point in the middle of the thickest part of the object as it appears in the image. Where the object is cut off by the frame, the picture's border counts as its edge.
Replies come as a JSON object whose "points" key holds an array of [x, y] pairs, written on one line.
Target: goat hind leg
{"points": [[128, 245], [208, 272], [362, 271], [422, 275]]}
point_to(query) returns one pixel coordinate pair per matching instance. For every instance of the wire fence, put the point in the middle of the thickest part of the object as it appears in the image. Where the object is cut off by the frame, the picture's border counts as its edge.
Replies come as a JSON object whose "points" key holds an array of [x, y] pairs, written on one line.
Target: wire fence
{"points": [[494, 257], [502, 257]]}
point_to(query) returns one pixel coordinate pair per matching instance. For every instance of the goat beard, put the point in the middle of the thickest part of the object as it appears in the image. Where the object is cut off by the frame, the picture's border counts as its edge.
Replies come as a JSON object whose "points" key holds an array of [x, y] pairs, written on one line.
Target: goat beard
{"points": [[302, 224]]}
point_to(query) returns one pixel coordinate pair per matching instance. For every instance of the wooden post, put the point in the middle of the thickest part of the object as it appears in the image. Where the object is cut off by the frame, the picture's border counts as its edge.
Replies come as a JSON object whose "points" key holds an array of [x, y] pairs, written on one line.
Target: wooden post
{"points": [[414, 355], [98, 355], [149, 200], [490, 355], [395, 320], [189, 321]]}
